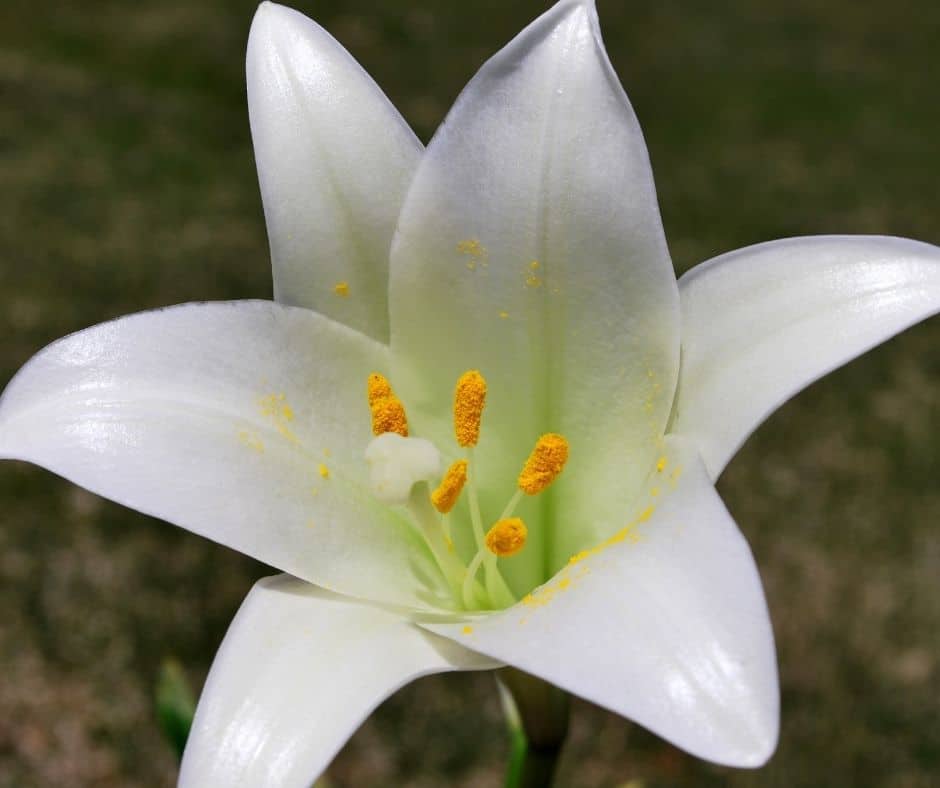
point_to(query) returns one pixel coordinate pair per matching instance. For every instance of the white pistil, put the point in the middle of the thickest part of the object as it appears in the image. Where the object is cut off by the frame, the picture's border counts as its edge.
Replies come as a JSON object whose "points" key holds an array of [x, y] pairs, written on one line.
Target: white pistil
{"points": [[396, 464]]}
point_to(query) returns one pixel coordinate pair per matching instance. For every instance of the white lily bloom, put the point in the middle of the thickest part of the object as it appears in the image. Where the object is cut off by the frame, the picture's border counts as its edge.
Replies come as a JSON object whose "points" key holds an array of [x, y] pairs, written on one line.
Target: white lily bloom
{"points": [[529, 247]]}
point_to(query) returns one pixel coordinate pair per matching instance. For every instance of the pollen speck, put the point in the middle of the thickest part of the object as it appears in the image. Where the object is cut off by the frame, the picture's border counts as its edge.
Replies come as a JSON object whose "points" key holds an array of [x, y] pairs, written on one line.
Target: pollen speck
{"points": [[276, 408], [534, 265], [445, 496], [504, 315], [545, 463], [324, 471], [467, 630], [661, 464], [533, 281], [471, 247], [469, 401], [341, 289], [251, 440], [507, 537]]}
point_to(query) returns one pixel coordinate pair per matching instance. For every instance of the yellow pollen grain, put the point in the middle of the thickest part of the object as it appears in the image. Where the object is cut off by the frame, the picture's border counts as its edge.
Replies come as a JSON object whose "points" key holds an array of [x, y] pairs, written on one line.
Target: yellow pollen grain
{"points": [[276, 408], [469, 400], [542, 596], [471, 247], [546, 461], [388, 413], [324, 471], [661, 464], [504, 315], [467, 630], [341, 289], [445, 496], [507, 537], [251, 440], [533, 281], [534, 265]]}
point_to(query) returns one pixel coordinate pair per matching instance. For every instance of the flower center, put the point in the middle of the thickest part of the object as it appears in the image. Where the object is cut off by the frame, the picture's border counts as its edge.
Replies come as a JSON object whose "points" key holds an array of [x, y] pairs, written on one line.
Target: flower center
{"points": [[402, 466]]}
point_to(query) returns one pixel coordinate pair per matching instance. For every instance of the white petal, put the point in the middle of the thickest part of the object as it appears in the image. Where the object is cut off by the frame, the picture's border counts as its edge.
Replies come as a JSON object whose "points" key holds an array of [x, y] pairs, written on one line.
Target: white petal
{"points": [[298, 672], [244, 422], [334, 159], [761, 323], [530, 247], [665, 624]]}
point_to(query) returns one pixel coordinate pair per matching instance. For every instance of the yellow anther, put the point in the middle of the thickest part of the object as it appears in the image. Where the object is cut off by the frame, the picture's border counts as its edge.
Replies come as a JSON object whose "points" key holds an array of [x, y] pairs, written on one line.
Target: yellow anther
{"points": [[469, 399], [507, 537], [388, 413], [378, 388], [445, 496], [546, 461]]}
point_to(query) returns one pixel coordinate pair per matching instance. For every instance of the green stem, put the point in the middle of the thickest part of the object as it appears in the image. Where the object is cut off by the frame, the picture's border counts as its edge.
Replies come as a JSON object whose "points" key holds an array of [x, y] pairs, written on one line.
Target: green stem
{"points": [[537, 716]]}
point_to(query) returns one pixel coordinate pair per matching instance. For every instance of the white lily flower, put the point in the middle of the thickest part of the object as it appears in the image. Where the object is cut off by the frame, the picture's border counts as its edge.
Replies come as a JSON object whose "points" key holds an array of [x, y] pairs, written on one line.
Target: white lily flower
{"points": [[526, 243]]}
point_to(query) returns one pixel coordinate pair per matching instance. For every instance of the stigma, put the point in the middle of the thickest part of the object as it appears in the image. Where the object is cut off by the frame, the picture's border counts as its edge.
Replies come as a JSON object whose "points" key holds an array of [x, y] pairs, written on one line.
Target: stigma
{"points": [[396, 464]]}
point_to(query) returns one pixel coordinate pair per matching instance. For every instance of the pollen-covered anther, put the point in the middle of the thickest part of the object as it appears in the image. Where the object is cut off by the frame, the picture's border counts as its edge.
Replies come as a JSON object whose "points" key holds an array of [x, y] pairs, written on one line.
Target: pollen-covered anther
{"points": [[378, 388], [507, 537], [388, 412], [545, 463], [445, 496], [388, 415], [469, 400]]}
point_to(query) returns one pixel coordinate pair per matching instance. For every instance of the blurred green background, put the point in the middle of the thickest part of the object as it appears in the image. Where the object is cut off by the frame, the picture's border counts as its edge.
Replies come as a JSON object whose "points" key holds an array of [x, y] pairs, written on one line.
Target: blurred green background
{"points": [[128, 183]]}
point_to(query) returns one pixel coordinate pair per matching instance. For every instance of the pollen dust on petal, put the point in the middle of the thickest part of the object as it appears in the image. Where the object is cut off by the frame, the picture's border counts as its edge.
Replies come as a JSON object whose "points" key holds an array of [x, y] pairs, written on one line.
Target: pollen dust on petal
{"points": [[532, 279], [475, 254], [544, 594], [341, 289], [467, 630], [251, 439], [323, 471], [629, 533], [278, 411]]}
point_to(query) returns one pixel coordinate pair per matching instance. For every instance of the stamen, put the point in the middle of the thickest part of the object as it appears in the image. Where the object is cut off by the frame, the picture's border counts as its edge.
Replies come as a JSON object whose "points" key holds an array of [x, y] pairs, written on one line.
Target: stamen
{"points": [[469, 399], [388, 413], [545, 463], [507, 537], [445, 496], [378, 388]]}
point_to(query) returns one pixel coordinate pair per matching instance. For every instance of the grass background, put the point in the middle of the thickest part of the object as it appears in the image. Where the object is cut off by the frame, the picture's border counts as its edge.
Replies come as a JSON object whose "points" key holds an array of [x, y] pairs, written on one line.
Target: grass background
{"points": [[128, 183]]}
